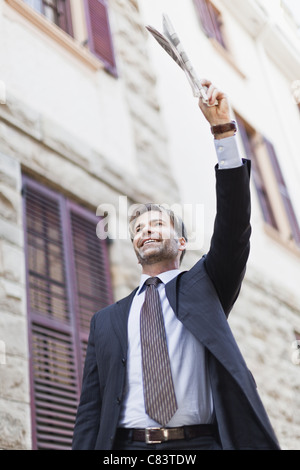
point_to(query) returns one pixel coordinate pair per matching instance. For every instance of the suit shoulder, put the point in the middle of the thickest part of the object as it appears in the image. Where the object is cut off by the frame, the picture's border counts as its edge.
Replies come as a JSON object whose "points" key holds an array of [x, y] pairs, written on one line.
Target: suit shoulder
{"points": [[195, 272], [105, 310], [109, 309]]}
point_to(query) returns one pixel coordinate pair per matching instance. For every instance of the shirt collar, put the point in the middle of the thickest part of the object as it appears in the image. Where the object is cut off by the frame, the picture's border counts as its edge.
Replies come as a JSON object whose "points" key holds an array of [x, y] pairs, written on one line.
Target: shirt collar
{"points": [[164, 277]]}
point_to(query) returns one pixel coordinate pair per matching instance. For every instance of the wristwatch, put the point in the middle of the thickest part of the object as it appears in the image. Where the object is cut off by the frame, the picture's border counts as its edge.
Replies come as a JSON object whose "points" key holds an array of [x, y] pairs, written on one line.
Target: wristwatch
{"points": [[222, 128]]}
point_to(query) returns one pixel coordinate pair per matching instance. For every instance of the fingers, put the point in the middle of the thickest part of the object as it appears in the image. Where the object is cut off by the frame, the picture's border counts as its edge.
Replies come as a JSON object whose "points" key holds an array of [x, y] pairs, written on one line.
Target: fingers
{"points": [[212, 92], [218, 111]]}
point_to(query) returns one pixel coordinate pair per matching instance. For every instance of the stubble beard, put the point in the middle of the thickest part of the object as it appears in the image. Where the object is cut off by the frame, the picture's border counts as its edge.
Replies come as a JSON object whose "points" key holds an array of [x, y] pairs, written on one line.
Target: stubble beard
{"points": [[165, 252]]}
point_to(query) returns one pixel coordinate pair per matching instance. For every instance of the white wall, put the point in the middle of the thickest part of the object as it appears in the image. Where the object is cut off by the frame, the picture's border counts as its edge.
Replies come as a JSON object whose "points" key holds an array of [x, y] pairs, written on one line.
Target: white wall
{"points": [[44, 75], [263, 97]]}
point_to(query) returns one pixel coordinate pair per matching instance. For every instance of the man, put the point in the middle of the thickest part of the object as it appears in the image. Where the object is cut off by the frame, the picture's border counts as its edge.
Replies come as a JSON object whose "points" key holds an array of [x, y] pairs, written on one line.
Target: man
{"points": [[206, 397]]}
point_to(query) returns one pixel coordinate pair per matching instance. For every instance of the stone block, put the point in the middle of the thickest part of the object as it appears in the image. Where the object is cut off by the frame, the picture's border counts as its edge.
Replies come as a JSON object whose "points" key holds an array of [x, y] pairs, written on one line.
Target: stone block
{"points": [[14, 334], [12, 297], [10, 172], [14, 384], [15, 427], [11, 232], [12, 262]]}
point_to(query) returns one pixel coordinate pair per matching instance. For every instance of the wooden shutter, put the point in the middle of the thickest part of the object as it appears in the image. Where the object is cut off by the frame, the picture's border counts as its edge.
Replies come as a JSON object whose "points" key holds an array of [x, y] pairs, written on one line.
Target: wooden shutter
{"points": [[262, 193], [99, 34], [210, 19], [91, 271], [64, 16], [283, 190], [67, 281]]}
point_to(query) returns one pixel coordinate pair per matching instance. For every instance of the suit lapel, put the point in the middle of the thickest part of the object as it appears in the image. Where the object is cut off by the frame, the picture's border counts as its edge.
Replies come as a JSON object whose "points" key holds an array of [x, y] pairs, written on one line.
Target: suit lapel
{"points": [[171, 292], [119, 319], [204, 319]]}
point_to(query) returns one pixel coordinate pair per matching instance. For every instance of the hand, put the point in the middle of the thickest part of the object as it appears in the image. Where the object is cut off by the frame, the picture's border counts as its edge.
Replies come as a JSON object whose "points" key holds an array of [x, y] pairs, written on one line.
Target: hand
{"points": [[219, 114]]}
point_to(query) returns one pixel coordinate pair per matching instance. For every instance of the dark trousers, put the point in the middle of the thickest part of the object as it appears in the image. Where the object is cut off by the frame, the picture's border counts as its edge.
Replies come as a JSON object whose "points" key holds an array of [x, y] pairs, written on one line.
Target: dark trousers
{"points": [[197, 443]]}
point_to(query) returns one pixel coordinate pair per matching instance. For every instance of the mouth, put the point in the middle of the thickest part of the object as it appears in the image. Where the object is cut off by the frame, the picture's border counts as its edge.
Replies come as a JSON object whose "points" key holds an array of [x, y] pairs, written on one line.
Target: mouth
{"points": [[148, 241]]}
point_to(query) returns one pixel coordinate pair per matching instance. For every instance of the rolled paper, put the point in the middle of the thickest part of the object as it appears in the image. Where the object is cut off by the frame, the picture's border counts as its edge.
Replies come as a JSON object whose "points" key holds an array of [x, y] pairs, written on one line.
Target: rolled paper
{"points": [[2, 92]]}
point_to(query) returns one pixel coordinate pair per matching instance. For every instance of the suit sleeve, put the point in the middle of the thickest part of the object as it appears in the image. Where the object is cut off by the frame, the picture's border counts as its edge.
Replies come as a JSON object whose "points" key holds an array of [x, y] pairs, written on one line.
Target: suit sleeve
{"points": [[89, 409], [230, 244]]}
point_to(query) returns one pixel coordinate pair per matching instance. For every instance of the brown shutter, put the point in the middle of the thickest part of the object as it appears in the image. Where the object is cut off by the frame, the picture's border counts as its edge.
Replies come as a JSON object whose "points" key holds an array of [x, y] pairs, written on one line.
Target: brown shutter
{"points": [[99, 34], [210, 19], [91, 271], [67, 281], [64, 16], [258, 180], [55, 379], [295, 230]]}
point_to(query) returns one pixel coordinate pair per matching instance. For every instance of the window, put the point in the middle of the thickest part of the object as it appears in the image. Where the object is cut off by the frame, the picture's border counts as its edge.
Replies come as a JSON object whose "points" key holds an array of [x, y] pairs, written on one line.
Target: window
{"points": [[211, 20], [67, 281], [96, 24], [57, 11], [273, 195]]}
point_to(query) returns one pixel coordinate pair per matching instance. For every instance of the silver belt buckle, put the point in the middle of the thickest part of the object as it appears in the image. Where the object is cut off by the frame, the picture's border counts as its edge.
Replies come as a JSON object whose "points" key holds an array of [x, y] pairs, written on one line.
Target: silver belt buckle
{"points": [[148, 439]]}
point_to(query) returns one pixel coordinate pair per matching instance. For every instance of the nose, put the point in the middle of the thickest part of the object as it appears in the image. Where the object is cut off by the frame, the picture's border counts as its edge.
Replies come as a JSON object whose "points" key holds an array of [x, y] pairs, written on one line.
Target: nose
{"points": [[146, 231]]}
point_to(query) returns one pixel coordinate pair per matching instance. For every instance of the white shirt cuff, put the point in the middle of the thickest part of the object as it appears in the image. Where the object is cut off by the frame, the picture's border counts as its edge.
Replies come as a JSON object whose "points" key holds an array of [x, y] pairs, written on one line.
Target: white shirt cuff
{"points": [[228, 153]]}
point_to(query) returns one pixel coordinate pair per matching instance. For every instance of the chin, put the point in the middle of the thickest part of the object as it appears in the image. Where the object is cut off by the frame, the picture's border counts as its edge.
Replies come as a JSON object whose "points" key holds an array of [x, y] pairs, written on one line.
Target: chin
{"points": [[150, 258]]}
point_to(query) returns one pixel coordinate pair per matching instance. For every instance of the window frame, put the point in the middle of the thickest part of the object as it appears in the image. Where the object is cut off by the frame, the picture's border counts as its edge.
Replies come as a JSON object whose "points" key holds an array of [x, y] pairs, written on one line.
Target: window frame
{"points": [[211, 21], [67, 26], [77, 46], [271, 189]]}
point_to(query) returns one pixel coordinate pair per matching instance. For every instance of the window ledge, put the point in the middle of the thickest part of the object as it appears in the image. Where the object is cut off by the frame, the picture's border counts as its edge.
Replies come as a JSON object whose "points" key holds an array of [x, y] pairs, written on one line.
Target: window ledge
{"points": [[227, 56], [277, 237], [55, 33]]}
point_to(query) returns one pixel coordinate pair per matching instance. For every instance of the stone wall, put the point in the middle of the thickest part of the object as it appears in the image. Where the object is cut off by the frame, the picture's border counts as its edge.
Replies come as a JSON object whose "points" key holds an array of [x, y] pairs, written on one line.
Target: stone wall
{"points": [[14, 383], [264, 322], [33, 143]]}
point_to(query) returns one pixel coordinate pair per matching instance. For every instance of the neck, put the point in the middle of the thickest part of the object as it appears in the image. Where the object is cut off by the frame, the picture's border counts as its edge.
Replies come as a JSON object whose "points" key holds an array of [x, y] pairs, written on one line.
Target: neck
{"points": [[158, 268]]}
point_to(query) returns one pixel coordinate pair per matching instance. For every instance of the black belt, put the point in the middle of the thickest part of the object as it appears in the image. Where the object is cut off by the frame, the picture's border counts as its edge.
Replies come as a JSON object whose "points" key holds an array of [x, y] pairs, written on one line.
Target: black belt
{"points": [[159, 435]]}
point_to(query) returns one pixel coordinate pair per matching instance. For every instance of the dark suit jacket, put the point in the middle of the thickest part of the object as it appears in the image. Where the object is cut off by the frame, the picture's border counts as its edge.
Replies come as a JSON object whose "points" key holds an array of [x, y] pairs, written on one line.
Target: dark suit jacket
{"points": [[202, 299]]}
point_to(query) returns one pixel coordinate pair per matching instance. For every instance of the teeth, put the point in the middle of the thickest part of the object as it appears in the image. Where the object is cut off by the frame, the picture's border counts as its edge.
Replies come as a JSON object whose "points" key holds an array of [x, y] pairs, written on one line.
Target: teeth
{"points": [[149, 241]]}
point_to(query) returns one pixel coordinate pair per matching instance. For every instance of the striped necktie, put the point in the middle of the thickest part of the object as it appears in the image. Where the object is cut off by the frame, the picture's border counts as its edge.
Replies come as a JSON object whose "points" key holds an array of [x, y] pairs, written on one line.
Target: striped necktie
{"points": [[159, 394]]}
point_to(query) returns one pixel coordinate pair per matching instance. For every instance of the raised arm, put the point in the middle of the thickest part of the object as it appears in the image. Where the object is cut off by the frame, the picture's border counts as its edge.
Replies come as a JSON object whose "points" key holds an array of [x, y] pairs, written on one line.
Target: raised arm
{"points": [[229, 249]]}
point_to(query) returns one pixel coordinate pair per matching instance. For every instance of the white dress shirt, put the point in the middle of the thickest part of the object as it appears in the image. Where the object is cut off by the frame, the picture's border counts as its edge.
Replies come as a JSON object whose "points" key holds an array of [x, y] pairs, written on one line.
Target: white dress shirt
{"points": [[188, 367], [187, 355]]}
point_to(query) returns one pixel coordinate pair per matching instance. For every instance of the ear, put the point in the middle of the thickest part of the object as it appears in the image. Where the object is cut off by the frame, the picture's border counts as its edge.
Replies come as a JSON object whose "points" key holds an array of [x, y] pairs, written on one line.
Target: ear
{"points": [[182, 243]]}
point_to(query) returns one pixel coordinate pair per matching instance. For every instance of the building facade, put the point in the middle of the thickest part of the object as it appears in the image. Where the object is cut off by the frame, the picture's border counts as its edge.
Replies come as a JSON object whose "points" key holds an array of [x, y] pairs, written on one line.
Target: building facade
{"points": [[98, 118], [251, 50], [81, 137]]}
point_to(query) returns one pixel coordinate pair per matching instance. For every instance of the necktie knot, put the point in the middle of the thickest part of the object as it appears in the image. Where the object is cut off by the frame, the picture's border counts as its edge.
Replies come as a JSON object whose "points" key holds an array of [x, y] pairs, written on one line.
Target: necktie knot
{"points": [[152, 281]]}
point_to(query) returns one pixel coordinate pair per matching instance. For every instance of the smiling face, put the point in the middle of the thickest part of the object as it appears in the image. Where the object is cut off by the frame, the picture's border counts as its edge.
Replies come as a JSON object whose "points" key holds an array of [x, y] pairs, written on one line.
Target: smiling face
{"points": [[156, 243]]}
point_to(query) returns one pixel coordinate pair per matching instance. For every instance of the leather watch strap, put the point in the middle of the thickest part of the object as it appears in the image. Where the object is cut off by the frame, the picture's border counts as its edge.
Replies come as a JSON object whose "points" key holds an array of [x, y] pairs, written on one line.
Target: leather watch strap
{"points": [[222, 128]]}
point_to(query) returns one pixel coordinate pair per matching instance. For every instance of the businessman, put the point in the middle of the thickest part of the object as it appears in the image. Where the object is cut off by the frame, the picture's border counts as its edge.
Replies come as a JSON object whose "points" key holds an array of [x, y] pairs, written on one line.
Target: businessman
{"points": [[163, 370]]}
